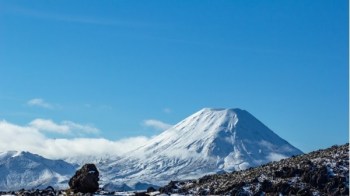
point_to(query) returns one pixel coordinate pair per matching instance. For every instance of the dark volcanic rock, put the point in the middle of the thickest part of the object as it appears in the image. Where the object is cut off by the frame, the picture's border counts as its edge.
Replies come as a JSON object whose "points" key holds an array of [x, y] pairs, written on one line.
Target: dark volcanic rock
{"points": [[322, 172], [85, 179], [150, 189], [169, 188]]}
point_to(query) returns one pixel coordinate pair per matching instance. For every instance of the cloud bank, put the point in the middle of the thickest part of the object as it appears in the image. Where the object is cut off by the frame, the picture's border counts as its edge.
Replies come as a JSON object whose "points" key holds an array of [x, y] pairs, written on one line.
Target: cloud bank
{"points": [[65, 127], [32, 138]]}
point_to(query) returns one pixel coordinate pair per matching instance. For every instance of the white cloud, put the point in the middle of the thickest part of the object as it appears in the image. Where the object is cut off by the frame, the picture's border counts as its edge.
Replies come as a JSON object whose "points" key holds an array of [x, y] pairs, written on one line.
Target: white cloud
{"points": [[65, 127], [14, 137], [32, 138], [156, 124], [77, 147], [40, 103], [75, 127], [49, 125]]}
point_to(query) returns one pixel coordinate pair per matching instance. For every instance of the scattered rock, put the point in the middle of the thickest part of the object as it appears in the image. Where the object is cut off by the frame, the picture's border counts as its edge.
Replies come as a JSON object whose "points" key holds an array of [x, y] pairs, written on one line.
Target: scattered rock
{"points": [[169, 188], [150, 189], [266, 186], [323, 172]]}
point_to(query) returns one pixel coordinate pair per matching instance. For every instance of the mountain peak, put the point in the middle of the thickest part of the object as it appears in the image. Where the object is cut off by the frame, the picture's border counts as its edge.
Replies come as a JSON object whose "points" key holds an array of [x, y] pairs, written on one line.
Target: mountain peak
{"points": [[223, 112], [212, 109], [218, 132], [220, 109]]}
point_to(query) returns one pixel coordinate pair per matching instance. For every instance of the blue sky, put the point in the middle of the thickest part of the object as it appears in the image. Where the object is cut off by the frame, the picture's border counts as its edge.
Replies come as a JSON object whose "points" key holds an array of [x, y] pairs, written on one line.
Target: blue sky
{"points": [[112, 66]]}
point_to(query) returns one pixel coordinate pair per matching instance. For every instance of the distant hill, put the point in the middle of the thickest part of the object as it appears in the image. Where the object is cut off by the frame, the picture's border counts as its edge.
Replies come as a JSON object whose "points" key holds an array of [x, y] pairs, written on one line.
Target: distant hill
{"points": [[24, 170]]}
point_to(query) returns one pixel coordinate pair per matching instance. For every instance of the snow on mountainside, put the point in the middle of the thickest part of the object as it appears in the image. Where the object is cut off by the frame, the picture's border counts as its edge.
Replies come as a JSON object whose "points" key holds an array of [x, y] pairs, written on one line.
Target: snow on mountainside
{"points": [[25, 170], [209, 141], [83, 159]]}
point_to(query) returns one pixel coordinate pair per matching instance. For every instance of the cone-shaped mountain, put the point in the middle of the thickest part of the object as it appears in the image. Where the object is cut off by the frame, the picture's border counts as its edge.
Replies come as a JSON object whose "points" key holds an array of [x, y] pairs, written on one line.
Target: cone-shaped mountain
{"points": [[209, 141]]}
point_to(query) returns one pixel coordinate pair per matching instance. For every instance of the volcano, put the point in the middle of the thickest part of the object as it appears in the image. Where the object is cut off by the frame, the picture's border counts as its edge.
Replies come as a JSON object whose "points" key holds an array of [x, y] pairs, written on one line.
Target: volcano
{"points": [[209, 141]]}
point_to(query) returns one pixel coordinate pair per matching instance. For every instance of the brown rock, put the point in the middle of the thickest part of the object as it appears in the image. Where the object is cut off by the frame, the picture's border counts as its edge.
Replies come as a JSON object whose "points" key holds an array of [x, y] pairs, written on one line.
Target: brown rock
{"points": [[85, 179]]}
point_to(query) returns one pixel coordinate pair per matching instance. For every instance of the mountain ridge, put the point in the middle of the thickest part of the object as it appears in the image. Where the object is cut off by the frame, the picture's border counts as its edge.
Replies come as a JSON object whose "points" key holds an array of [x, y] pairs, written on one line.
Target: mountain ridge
{"points": [[21, 169]]}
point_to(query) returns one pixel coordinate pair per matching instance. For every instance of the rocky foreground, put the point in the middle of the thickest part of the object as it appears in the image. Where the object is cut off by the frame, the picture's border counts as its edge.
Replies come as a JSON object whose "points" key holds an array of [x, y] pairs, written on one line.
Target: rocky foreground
{"points": [[322, 172]]}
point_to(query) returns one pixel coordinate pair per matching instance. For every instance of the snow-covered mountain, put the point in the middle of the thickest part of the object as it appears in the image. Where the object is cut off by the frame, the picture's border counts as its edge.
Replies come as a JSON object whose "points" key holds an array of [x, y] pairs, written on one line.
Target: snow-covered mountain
{"points": [[209, 141], [25, 170]]}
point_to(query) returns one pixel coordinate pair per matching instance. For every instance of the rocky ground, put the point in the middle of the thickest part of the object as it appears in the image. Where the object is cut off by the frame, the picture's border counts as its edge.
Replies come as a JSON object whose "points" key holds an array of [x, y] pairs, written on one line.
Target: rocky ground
{"points": [[52, 192], [322, 172]]}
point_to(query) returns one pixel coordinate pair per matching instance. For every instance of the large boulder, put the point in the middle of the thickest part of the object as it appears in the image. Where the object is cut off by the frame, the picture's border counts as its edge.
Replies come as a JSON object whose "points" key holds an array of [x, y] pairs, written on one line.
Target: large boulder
{"points": [[85, 179]]}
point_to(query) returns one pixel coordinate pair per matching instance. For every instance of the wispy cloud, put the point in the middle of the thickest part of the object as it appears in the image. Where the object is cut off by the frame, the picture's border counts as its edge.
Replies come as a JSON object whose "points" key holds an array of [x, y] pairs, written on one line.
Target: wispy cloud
{"points": [[40, 103], [156, 124], [167, 110], [56, 16], [65, 127], [32, 138]]}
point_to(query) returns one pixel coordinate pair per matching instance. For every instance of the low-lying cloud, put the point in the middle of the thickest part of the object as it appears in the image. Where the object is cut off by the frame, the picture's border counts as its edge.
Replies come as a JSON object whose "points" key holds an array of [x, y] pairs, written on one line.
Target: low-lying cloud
{"points": [[156, 124], [65, 127], [32, 138]]}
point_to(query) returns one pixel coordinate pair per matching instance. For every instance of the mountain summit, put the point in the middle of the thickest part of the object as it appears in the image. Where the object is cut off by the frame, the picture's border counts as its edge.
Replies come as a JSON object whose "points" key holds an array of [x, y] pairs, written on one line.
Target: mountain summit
{"points": [[209, 141]]}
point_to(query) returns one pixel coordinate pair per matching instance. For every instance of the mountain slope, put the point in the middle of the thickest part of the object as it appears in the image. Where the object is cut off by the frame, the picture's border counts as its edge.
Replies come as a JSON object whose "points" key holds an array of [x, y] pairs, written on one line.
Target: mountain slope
{"points": [[322, 172], [25, 170], [209, 141]]}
